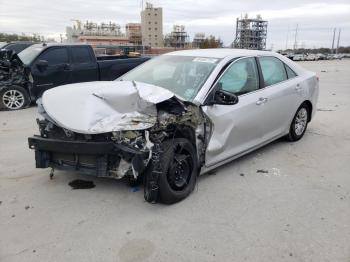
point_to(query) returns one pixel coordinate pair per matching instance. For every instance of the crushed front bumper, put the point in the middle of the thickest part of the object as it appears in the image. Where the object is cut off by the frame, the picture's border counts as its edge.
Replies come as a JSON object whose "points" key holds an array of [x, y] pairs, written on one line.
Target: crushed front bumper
{"points": [[92, 158]]}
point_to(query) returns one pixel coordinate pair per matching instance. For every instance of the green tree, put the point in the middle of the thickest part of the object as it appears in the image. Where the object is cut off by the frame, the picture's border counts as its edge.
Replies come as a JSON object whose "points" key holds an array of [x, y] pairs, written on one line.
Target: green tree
{"points": [[211, 42]]}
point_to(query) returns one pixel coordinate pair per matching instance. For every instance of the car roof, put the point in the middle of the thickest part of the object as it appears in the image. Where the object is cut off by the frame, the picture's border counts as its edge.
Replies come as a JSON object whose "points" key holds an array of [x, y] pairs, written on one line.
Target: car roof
{"points": [[220, 52], [59, 44]]}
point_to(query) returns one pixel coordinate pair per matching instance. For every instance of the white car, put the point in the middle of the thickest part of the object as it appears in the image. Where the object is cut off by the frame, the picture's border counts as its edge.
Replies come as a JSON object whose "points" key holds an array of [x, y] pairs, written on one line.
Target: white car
{"points": [[174, 117], [299, 57]]}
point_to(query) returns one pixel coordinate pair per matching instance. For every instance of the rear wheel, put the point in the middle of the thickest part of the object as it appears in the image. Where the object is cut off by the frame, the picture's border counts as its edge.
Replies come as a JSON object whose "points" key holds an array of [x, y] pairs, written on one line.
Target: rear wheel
{"points": [[299, 124], [14, 98], [179, 170]]}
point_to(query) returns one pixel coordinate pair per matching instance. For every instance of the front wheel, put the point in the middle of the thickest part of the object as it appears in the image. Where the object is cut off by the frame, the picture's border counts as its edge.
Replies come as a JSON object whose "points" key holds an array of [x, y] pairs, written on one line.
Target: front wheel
{"points": [[14, 98], [178, 171], [299, 124]]}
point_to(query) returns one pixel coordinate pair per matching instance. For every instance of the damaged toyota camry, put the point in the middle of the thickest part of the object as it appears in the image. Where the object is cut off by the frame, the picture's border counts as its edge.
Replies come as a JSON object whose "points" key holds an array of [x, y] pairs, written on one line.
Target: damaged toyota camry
{"points": [[174, 117]]}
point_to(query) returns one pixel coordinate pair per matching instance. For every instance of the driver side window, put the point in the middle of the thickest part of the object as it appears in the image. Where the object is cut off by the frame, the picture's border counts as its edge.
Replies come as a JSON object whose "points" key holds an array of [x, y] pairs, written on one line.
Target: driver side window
{"points": [[55, 56], [241, 77]]}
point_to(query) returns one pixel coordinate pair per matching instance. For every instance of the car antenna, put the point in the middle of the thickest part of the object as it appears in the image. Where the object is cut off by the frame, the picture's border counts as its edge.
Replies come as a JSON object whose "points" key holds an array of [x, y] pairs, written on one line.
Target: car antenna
{"points": [[44, 44]]}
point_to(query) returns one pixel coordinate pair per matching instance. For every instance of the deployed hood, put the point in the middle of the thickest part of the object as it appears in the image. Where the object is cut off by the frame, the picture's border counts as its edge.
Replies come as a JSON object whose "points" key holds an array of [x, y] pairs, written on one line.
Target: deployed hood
{"points": [[104, 106]]}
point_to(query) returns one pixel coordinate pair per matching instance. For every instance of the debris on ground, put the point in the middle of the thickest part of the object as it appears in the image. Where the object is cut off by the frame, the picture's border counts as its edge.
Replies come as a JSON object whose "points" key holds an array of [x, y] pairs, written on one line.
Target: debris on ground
{"points": [[26, 207], [0, 203], [13, 215], [135, 189], [276, 171], [323, 71], [262, 171], [81, 184], [241, 174]]}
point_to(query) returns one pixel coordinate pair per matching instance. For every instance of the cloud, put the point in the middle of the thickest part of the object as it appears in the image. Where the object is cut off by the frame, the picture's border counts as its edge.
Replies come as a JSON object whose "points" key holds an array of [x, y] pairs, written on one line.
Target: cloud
{"points": [[315, 18]]}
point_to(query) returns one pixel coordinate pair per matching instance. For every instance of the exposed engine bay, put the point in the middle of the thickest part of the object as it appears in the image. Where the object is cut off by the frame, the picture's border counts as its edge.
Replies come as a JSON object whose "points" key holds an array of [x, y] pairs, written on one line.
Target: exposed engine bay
{"points": [[12, 70]]}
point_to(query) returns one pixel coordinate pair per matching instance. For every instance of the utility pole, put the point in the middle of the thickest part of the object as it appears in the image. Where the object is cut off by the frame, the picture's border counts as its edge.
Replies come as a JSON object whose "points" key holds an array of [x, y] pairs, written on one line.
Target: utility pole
{"points": [[334, 30], [295, 38], [338, 41], [287, 38]]}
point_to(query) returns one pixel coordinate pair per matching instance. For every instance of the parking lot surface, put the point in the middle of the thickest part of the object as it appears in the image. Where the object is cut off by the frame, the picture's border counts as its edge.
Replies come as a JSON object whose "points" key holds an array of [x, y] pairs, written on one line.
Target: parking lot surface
{"points": [[283, 202]]}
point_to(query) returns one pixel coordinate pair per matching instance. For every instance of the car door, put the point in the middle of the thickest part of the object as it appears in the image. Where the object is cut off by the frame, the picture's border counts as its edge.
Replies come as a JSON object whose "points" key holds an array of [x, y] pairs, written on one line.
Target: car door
{"points": [[56, 72], [84, 65], [280, 96], [235, 128]]}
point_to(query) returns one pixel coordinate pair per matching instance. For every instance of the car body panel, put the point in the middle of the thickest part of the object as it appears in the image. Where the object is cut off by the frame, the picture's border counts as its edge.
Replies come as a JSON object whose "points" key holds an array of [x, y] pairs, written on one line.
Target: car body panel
{"points": [[236, 128]]}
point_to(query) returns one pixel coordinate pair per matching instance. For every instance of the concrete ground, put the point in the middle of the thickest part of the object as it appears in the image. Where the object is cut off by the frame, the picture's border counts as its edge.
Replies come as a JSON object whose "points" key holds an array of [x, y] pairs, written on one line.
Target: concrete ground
{"points": [[298, 211]]}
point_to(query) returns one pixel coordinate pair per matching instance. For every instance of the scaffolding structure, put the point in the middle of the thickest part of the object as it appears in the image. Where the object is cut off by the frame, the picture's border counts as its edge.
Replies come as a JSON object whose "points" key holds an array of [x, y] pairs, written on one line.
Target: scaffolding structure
{"points": [[178, 38], [251, 33], [198, 40]]}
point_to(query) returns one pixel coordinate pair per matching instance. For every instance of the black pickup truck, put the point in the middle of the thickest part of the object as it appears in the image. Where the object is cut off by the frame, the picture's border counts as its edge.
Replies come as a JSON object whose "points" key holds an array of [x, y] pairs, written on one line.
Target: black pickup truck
{"points": [[25, 76]]}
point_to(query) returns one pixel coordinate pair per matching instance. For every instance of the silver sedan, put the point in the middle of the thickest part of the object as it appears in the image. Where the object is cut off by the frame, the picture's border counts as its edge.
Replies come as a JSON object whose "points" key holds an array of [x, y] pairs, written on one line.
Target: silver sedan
{"points": [[174, 117]]}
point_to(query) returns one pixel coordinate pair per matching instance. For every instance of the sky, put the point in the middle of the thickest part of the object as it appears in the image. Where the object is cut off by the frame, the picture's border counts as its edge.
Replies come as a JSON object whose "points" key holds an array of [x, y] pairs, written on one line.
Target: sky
{"points": [[316, 19]]}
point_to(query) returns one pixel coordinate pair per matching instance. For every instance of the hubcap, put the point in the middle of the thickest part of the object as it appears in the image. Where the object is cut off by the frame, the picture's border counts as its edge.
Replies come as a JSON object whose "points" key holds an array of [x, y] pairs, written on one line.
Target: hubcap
{"points": [[300, 121], [180, 169], [13, 99]]}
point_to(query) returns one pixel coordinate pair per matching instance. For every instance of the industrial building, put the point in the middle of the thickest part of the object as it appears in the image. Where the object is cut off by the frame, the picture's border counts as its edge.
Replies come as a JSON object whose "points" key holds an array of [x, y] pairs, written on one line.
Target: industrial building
{"points": [[178, 38], [152, 26], [251, 33], [96, 34], [133, 33]]}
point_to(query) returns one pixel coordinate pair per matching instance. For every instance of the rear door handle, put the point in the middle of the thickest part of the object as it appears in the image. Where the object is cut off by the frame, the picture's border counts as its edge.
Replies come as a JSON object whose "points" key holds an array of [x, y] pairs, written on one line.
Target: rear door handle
{"points": [[262, 100], [298, 87]]}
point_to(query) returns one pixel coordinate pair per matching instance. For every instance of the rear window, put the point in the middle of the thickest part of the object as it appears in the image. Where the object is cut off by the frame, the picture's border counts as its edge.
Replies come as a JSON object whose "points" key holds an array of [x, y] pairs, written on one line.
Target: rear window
{"points": [[81, 55], [273, 70], [290, 72]]}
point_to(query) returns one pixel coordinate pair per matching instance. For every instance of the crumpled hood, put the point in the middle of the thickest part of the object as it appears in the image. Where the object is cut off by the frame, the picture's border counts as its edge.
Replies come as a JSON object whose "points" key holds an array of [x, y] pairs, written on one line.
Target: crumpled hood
{"points": [[12, 71], [104, 106]]}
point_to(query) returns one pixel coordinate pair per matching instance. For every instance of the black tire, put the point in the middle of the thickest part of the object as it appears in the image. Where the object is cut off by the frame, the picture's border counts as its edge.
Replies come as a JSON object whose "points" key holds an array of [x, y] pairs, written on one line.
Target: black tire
{"points": [[23, 99], [178, 154], [294, 135]]}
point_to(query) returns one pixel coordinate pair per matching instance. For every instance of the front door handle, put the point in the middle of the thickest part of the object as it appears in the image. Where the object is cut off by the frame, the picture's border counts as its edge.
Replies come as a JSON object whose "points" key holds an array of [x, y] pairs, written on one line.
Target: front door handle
{"points": [[298, 87], [262, 100], [67, 67]]}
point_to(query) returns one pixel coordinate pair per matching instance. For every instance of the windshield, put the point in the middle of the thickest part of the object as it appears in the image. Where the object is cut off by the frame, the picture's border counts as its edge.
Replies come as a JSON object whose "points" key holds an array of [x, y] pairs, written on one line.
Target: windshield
{"points": [[182, 75], [30, 53]]}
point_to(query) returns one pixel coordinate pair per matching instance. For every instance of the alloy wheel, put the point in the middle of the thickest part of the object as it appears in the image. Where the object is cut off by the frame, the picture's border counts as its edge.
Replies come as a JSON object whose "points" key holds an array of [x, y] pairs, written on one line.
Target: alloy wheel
{"points": [[300, 121], [13, 99]]}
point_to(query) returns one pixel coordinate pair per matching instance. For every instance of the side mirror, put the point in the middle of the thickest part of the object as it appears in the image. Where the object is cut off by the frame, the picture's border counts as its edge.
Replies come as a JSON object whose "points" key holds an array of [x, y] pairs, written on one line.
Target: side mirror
{"points": [[222, 97], [42, 65]]}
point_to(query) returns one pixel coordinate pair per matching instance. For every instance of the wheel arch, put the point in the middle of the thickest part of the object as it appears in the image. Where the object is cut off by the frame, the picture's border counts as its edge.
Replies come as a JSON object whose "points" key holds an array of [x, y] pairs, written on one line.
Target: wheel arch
{"points": [[310, 108]]}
